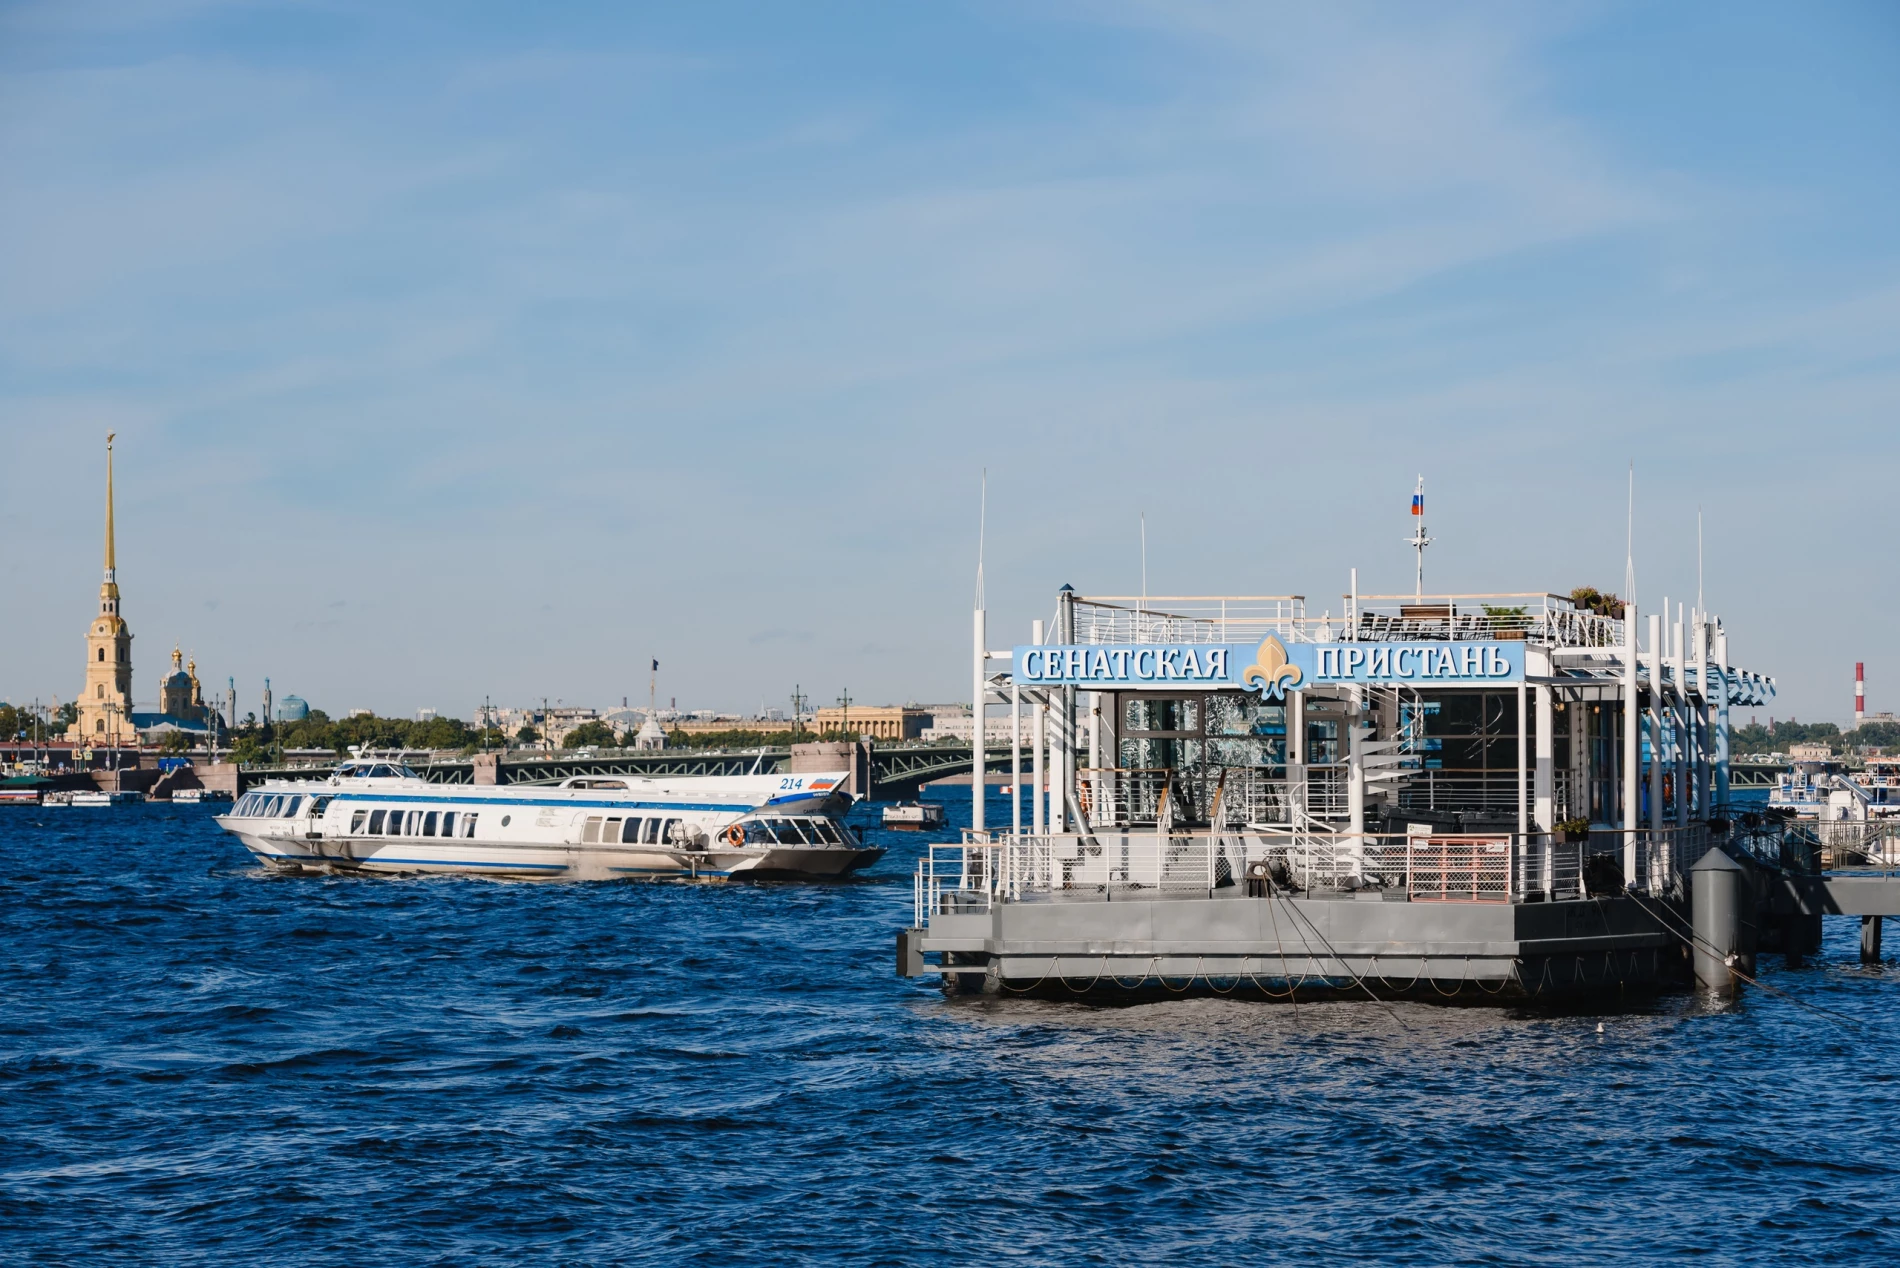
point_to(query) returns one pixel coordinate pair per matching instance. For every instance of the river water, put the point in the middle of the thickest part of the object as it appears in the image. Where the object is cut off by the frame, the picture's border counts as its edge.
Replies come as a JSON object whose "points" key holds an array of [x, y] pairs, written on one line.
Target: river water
{"points": [[203, 1063]]}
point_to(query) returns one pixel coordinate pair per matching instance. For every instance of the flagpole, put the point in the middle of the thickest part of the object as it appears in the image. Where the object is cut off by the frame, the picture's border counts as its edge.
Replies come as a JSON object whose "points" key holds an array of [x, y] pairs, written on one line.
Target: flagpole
{"points": [[1418, 540]]}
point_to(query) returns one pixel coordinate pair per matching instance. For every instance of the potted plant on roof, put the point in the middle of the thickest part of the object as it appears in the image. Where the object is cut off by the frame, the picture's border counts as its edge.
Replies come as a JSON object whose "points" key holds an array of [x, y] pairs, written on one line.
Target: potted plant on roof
{"points": [[1507, 624]]}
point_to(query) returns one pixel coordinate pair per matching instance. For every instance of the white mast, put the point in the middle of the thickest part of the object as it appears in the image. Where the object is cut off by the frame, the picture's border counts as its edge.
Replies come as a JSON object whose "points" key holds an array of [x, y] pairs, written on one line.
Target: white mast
{"points": [[1418, 540], [978, 749], [1629, 549]]}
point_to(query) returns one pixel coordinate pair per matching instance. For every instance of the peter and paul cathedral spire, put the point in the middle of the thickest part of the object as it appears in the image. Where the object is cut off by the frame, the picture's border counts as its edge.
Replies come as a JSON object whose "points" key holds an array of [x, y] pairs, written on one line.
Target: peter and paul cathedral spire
{"points": [[111, 589], [105, 706]]}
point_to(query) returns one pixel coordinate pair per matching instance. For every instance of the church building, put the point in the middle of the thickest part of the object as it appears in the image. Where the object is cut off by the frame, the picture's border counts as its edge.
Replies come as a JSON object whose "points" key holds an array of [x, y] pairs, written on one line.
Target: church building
{"points": [[105, 706], [106, 713]]}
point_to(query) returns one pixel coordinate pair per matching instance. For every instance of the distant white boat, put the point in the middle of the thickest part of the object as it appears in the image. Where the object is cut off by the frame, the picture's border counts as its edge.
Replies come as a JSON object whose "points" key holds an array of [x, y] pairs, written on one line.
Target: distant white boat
{"points": [[913, 814], [193, 796], [95, 797], [379, 816]]}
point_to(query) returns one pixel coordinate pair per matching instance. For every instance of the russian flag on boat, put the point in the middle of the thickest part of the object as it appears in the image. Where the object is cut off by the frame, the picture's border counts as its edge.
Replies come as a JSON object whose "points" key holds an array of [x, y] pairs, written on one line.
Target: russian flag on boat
{"points": [[1418, 497]]}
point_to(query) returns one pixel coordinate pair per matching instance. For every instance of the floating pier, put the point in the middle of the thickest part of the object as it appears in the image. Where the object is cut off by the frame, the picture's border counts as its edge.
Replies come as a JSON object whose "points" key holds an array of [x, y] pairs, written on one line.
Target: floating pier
{"points": [[1487, 797]]}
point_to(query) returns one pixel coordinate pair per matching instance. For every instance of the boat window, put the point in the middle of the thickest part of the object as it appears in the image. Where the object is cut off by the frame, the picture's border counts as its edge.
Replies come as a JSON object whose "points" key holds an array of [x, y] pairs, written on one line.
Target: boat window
{"points": [[272, 806], [356, 821], [448, 823], [610, 831], [670, 832], [630, 833], [590, 831], [650, 834], [825, 830], [318, 805], [788, 833], [757, 833], [395, 823], [243, 807], [375, 823], [428, 824], [468, 825]]}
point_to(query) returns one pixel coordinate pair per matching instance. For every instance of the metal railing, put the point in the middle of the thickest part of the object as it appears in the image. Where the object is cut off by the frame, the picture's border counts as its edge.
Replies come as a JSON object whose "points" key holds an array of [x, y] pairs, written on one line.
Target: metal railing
{"points": [[1452, 868], [1229, 796], [1545, 618], [1188, 619], [1858, 842]]}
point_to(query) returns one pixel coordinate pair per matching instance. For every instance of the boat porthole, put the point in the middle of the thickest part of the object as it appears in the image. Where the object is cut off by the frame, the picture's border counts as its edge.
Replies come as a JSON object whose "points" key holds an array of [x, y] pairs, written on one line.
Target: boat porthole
{"points": [[504, 821]]}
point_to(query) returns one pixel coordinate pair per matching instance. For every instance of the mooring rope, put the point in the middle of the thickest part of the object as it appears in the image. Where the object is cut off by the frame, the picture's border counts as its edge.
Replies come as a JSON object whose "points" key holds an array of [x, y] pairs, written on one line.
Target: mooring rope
{"points": [[1141, 981], [1356, 979], [1727, 960], [1091, 986]]}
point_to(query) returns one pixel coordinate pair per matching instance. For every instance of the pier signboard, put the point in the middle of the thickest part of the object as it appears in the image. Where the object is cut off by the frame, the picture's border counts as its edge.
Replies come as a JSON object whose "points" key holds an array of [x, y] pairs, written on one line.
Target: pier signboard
{"points": [[1270, 666]]}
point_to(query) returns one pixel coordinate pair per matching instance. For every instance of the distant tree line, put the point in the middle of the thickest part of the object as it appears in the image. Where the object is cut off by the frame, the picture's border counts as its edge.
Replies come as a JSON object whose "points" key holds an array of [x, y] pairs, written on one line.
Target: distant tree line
{"points": [[1756, 738], [19, 724], [255, 741]]}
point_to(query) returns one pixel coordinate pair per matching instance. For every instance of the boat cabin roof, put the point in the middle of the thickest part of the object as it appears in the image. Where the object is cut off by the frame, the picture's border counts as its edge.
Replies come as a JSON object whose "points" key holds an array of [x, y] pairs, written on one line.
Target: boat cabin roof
{"points": [[363, 768]]}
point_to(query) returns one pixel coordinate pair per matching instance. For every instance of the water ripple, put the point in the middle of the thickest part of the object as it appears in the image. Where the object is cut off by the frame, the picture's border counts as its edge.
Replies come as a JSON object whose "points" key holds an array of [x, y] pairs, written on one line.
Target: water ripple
{"points": [[200, 1062]]}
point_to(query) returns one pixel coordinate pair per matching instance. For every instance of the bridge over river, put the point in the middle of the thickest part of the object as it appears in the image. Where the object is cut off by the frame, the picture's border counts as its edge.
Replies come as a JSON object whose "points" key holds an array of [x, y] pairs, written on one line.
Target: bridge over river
{"points": [[896, 771]]}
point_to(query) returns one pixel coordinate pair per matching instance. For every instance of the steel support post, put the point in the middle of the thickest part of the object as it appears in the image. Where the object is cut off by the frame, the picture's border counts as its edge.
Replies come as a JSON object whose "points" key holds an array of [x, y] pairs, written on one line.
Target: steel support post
{"points": [[1038, 746], [1064, 792], [1655, 725], [1721, 721], [1632, 768], [1523, 774], [979, 782], [1015, 757], [1680, 716], [1296, 752], [1715, 916], [1870, 939], [1544, 813]]}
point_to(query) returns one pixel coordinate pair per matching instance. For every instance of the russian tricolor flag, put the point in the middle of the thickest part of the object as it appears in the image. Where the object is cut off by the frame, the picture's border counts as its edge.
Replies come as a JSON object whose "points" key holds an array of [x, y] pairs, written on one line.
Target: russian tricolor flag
{"points": [[1418, 504]]}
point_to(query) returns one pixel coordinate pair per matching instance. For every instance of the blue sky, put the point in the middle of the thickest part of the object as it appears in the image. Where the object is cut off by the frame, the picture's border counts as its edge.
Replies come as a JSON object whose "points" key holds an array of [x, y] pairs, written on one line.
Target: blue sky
{"points": [[461, 350]]}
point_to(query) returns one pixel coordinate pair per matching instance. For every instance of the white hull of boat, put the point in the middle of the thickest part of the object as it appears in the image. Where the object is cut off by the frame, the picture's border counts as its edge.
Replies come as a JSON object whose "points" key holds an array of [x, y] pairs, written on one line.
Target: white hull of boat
{"points": [[409, 857], [587, 829]]}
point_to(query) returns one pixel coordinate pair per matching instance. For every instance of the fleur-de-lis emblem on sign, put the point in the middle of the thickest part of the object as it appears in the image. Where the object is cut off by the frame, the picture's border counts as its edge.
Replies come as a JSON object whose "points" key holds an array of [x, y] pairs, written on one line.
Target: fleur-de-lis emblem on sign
{"points": [[1270, 672]]}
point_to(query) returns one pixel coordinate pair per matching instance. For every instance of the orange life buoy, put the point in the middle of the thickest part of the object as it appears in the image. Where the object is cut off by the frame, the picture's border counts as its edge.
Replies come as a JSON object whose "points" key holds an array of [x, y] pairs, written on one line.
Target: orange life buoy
{"points": [[735, 835]]}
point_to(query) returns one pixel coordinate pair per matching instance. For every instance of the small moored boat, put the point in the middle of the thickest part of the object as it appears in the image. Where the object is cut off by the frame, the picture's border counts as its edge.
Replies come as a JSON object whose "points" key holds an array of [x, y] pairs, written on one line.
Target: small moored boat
{"points": [[913, 814], [103, 798]]}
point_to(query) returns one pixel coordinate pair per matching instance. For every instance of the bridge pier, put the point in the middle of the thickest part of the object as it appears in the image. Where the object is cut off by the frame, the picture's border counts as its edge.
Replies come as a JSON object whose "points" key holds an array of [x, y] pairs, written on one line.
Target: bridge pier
{"points": [[1870, 939]]}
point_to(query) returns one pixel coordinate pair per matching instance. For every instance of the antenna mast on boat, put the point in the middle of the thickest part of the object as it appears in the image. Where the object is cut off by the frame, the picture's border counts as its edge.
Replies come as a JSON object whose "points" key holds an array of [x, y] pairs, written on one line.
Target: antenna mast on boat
{"points": [[1698, 561], [1418, 541], [980, 664]]}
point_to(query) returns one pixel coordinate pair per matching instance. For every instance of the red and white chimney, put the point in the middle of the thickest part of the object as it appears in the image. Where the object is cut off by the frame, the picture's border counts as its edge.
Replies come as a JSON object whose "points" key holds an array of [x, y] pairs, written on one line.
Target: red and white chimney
{"points": [[1860, 693]]}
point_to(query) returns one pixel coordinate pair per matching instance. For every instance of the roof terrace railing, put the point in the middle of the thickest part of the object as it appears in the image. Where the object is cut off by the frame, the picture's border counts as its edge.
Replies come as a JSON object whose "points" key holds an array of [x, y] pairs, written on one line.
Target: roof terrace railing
{"points": [[1187, 619], [1549, 619]]}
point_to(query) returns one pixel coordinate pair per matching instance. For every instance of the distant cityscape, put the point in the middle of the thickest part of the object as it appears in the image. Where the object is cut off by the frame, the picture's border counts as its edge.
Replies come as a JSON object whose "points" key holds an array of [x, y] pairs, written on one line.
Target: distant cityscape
{"points": [[104, 718], [103, 721]]}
